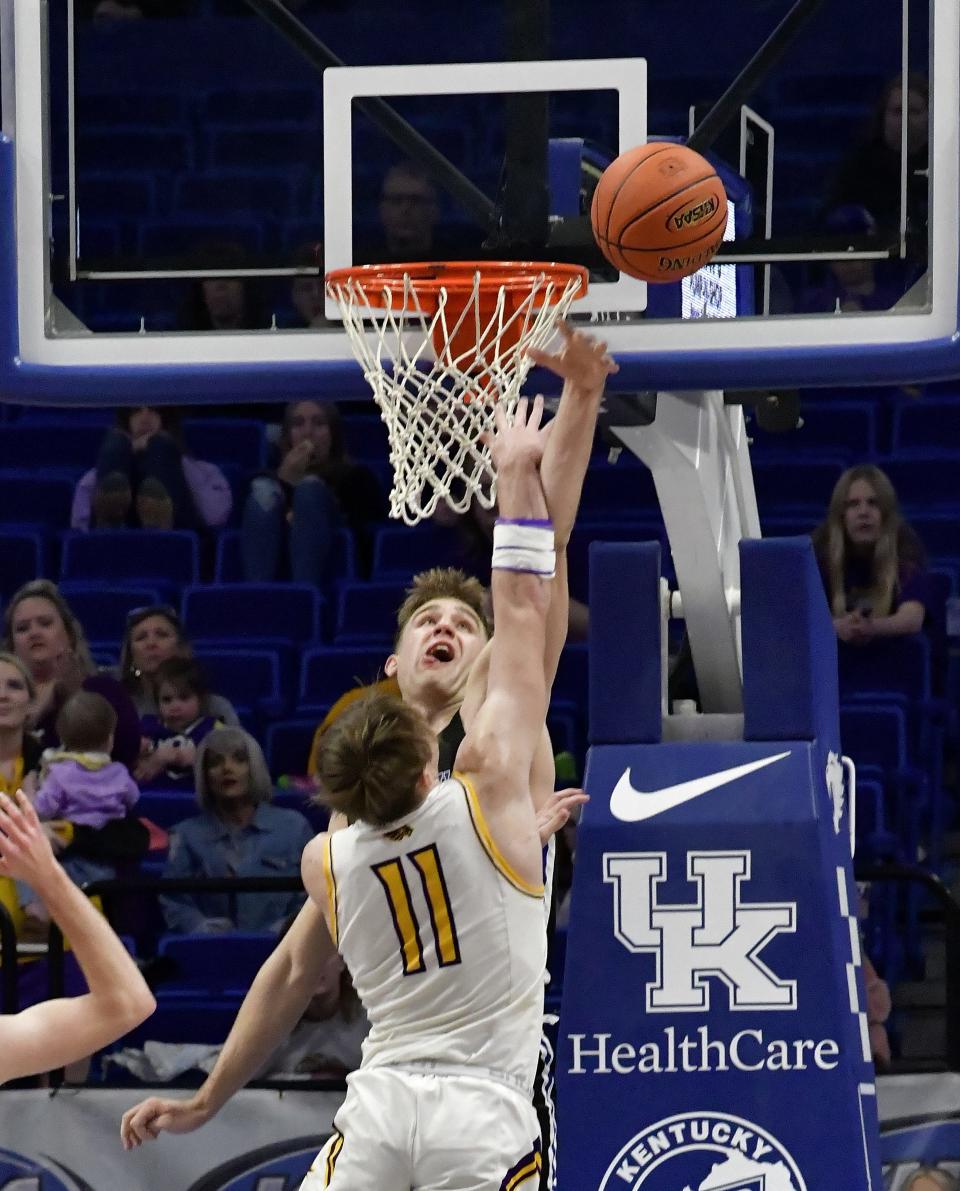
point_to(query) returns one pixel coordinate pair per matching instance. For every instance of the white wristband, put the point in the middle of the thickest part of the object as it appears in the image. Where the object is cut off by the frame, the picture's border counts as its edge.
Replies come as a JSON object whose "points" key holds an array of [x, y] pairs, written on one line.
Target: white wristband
{"points": [[524, 545]]}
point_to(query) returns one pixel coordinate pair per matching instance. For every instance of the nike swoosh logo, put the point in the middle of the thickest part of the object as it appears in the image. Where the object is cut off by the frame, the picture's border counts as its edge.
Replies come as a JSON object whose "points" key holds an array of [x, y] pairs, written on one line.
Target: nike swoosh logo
{"points": [[631, 805]]}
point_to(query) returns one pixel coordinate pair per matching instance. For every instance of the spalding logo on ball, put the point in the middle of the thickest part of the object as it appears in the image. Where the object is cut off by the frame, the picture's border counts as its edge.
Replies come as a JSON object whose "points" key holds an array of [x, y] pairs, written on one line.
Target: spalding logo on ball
{"points": [[659, 212]]}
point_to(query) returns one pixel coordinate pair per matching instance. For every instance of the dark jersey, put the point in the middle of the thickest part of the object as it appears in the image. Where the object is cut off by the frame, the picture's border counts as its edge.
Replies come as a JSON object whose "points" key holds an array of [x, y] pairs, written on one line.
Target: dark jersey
{"points": [[448, 742]]}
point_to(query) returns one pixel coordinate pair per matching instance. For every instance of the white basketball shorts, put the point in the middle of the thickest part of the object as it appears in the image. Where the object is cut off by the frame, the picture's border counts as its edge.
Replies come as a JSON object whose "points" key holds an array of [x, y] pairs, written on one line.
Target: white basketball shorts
{"points": [[399, 1129]]}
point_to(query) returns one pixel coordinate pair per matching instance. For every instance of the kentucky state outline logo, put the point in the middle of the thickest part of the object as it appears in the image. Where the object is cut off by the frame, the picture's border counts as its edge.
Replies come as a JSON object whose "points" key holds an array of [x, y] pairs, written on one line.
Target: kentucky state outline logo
{"points": [[703, 1151]]}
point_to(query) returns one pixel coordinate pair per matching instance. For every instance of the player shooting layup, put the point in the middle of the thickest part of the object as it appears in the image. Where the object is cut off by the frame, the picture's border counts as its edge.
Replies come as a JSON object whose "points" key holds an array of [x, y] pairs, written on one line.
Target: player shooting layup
{"points": [[447, 693], [434, 895], [54, 1033]]}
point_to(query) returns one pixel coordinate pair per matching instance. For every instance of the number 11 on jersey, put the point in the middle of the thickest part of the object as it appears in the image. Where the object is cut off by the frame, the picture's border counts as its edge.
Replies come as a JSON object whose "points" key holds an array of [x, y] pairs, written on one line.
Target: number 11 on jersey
{"points": [[392, 877]]}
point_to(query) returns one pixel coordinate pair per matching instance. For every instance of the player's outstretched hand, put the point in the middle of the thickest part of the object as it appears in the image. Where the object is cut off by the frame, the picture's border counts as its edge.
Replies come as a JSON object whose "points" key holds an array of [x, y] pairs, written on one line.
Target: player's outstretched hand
{"points": [[25, 852], [557, 811], [582, 360], [151, 1117], [522, 442]]}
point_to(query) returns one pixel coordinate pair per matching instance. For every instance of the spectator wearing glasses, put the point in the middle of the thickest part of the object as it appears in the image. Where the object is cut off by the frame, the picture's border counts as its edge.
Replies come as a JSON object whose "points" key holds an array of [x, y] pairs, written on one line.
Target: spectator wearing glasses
{"points": [[408, 211], [144, 478], [152, 636], [238, 833]]}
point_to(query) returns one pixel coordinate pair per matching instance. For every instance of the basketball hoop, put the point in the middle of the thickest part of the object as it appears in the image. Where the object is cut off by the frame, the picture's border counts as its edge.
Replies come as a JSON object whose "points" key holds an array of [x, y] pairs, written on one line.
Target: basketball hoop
{"points": [[448, 341]]}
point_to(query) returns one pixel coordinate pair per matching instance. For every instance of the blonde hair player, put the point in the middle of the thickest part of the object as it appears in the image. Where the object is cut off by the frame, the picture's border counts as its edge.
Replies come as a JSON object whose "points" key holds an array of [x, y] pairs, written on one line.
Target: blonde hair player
{"points": [[442, 693], [54, 1033], [434, 895]]}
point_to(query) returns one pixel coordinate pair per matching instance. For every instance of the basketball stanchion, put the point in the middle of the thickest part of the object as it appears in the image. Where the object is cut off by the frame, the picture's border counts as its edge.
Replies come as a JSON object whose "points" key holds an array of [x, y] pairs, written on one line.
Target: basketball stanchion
{"points": [[440, 345], [713, 1030]]}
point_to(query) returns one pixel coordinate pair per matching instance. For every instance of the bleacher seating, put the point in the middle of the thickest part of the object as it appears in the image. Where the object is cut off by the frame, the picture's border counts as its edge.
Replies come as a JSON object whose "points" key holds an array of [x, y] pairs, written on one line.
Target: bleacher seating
{"points": [[162, 558], [251, 613], [23, 555], [102, 608]]}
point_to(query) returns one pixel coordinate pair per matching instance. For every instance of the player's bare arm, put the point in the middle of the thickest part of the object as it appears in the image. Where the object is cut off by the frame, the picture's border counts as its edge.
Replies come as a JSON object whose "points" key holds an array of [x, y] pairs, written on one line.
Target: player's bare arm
{"points": [[584, 365], [275, 1003], [497, 753], [61, 1031]]}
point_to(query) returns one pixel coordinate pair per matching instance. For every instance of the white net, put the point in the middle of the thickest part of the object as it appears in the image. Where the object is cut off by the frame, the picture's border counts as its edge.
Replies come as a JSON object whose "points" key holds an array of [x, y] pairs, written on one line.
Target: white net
{"points": [[438, 357]]}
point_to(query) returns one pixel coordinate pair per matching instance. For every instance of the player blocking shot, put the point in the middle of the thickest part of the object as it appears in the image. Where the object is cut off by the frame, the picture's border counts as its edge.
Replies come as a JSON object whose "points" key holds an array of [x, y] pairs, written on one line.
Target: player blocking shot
{"points": [[434, 896]]}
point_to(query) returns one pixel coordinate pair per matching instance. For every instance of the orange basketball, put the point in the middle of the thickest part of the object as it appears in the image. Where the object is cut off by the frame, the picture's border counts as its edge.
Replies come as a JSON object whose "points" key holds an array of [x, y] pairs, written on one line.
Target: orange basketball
{"points": [[659, 212]]}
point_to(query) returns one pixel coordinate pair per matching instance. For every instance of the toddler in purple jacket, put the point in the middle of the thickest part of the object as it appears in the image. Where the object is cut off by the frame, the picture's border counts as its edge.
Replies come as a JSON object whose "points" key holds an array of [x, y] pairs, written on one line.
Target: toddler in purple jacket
{"points": [[79, 782]]}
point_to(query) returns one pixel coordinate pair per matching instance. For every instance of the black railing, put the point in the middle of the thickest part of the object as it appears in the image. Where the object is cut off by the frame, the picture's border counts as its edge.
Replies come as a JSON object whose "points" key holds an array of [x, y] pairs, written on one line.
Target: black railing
{"points": [[8, 963], [910, 873]]}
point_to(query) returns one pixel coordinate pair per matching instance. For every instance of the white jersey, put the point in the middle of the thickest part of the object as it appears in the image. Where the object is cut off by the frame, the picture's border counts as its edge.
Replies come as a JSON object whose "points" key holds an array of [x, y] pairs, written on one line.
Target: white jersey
{"points": [[444, 942]]}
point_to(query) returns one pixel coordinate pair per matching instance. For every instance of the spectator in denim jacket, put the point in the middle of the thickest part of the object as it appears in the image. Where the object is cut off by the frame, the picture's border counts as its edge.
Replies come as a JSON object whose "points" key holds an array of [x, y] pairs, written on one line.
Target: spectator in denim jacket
{"points": [[237, 834]]}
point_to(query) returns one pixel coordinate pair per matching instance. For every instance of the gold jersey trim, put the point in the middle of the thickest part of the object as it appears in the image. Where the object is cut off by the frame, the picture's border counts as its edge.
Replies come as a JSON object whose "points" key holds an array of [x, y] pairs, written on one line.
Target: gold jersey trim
{"points": [[331, 883], [487, 842]]}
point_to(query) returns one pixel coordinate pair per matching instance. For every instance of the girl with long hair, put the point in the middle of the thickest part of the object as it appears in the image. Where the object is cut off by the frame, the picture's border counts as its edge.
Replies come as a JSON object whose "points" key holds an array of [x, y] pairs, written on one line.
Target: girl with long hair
{"points": [[872, 562], [316, 489]]}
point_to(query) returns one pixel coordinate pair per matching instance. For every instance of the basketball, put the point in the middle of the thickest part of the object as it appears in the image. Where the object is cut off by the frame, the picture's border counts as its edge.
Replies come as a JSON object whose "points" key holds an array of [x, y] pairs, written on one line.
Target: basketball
{"points": [[659, 212]]}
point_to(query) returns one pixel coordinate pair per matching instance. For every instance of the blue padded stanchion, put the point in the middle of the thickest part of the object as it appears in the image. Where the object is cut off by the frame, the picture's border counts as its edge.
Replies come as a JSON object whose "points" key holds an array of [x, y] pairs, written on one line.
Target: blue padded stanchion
{"points": [[712, 1030]]}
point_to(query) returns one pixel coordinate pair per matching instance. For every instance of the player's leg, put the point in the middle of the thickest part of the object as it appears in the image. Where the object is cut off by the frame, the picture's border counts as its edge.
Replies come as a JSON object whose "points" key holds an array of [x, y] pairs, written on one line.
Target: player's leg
{"points": [[372, 1138], [474, 1134]]}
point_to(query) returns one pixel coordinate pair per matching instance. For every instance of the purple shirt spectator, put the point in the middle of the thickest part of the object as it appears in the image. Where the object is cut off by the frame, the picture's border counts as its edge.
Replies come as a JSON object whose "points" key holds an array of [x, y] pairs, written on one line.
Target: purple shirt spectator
{"points": [[87, 788], [207, 483]]}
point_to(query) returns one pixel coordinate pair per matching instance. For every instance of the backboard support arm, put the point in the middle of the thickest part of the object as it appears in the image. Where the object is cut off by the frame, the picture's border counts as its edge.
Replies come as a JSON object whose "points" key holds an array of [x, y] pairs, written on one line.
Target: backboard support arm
{"points": [[696, 449]]}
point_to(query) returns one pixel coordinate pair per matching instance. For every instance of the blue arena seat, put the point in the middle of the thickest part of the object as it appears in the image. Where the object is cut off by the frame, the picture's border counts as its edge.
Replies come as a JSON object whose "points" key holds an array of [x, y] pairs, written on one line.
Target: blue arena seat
{"points": [[245, 107], [250, 678], [175, 236], [400, 551], [939, 532], [287, 746], [230, 193], [367, 613], [163, 557], [932, 424], [829, 427], [23, 555], [788, 481], [166, 808], [289, 148], [216, 965], [241, 442], [102, 608], [622, 491], [228, 567], [138, 150], [111, 194], [28, 499], [365, 436], [252, 612], [328, 672], [925, 481]]}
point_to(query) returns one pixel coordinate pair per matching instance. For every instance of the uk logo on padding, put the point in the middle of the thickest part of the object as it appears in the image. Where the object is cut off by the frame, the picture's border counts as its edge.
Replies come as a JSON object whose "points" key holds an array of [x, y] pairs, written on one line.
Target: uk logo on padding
{"points": [[719, 935], [703, 1151]]}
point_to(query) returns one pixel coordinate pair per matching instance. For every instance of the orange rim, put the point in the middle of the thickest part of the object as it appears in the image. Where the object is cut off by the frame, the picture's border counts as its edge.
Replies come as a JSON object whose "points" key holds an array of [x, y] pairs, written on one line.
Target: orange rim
{"points": [[429, 277]]}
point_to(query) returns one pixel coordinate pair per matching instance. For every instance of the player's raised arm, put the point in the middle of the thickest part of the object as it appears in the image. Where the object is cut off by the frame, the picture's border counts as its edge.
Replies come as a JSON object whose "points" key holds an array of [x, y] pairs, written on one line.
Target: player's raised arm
{"points": [[500, 742], [584, 365], [58, 1032]]}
